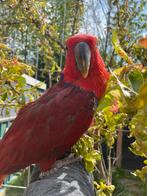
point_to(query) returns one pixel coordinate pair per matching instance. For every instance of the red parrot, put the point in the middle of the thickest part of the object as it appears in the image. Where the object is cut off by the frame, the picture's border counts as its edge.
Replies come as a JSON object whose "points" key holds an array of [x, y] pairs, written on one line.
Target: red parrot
{"points": [[46, 128]]}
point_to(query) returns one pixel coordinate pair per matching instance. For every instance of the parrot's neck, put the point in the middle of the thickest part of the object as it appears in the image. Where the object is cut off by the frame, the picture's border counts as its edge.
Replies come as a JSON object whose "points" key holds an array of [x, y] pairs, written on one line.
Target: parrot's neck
{"points": [[97, 77]]}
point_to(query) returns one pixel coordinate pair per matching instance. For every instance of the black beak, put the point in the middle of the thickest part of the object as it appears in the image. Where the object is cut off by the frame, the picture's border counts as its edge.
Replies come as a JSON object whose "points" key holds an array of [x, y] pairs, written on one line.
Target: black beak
{"points": [[83, 56]]}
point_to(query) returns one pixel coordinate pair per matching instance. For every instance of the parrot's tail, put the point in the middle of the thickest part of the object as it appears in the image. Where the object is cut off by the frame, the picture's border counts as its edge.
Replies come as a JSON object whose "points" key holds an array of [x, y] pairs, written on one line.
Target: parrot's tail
{"points": [[2, 176]]}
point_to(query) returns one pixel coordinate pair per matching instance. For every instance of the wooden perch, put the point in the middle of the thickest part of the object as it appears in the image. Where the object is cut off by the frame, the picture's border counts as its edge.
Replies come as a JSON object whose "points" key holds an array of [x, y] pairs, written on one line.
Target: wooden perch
{"points": [[69, 180]]}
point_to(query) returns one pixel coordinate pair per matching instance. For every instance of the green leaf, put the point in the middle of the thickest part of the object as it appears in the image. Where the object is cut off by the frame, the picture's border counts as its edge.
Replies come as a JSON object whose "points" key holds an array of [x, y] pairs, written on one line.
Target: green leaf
{"points": [[4, 96], [22, 99], [127, 92], [136, 79], [118, 48], [145, 162], [142, 174], [105, 102], [141, 101], [21, 81], [1, 101]]}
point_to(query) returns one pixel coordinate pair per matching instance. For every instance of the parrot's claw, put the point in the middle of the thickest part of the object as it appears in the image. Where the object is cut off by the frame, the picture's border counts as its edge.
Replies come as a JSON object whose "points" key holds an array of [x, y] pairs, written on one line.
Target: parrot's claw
{"points": [[61, 163]]}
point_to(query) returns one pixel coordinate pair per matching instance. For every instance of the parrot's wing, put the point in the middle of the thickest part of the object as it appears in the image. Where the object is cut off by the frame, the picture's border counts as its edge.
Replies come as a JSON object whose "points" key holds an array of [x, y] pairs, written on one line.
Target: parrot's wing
{"points": [[46, 128]]}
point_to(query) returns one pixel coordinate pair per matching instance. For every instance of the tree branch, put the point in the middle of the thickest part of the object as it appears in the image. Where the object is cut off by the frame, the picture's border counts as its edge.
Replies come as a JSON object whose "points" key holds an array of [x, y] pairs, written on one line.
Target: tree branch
{"points": [[71, 180]]}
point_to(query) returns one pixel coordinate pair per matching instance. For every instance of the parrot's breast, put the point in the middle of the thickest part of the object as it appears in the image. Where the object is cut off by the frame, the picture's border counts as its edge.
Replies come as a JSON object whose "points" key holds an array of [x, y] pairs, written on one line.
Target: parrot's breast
{"points": [[46, 128]]}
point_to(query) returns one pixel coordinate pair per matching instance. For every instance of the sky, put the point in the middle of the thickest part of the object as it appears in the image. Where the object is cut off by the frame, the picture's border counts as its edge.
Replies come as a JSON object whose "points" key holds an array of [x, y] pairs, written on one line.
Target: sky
{"points": [[95, 17]]}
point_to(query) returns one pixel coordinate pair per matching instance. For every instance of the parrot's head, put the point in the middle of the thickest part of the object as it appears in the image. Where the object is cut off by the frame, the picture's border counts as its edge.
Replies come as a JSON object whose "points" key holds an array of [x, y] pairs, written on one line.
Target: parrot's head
{"points": [[84, 66]]}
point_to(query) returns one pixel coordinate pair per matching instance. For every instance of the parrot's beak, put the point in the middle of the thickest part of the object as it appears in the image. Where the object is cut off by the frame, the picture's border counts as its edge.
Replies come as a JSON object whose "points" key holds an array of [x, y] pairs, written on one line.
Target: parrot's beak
{"points": [[83, 56]]}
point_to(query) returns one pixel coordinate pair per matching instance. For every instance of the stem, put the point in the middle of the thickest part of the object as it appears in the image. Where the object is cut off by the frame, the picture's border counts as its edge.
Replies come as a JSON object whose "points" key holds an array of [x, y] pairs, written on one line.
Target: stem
{"points": [[101, 165], [112, 55], [8, 105], [13, 89], [103, 162], [109, 178]]}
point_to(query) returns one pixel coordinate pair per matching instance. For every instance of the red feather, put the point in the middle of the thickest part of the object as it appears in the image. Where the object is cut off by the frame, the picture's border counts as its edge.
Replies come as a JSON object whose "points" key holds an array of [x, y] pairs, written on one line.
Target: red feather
{"points": [[49, 126], [98, 75]]}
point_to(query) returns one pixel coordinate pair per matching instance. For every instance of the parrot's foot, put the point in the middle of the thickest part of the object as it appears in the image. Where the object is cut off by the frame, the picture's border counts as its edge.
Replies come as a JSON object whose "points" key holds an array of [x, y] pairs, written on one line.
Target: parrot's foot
{"points": [[61, 163]]}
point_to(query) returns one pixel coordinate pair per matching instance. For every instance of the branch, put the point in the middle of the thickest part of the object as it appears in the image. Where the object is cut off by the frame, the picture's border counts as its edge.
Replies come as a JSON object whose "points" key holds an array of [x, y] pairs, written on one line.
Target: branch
{"points": [[8, 105], [71, 179], [16, 22], [13, 89], [47, 33], [112, 55]]}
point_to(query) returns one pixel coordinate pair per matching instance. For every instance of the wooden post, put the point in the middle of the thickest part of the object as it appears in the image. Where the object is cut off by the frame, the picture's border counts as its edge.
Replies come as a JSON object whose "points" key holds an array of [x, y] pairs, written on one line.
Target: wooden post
{"points": [[119, 148]]}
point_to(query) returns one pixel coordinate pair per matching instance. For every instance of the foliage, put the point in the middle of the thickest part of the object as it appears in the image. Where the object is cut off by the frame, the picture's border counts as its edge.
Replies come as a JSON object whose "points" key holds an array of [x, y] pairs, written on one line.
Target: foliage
{"points": [[127, 184], [103, 189], [36, 30], [13, 89], [118, 49], [129, 20], [138, 128], [85, 149], [20, 180], [128, 17]]}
